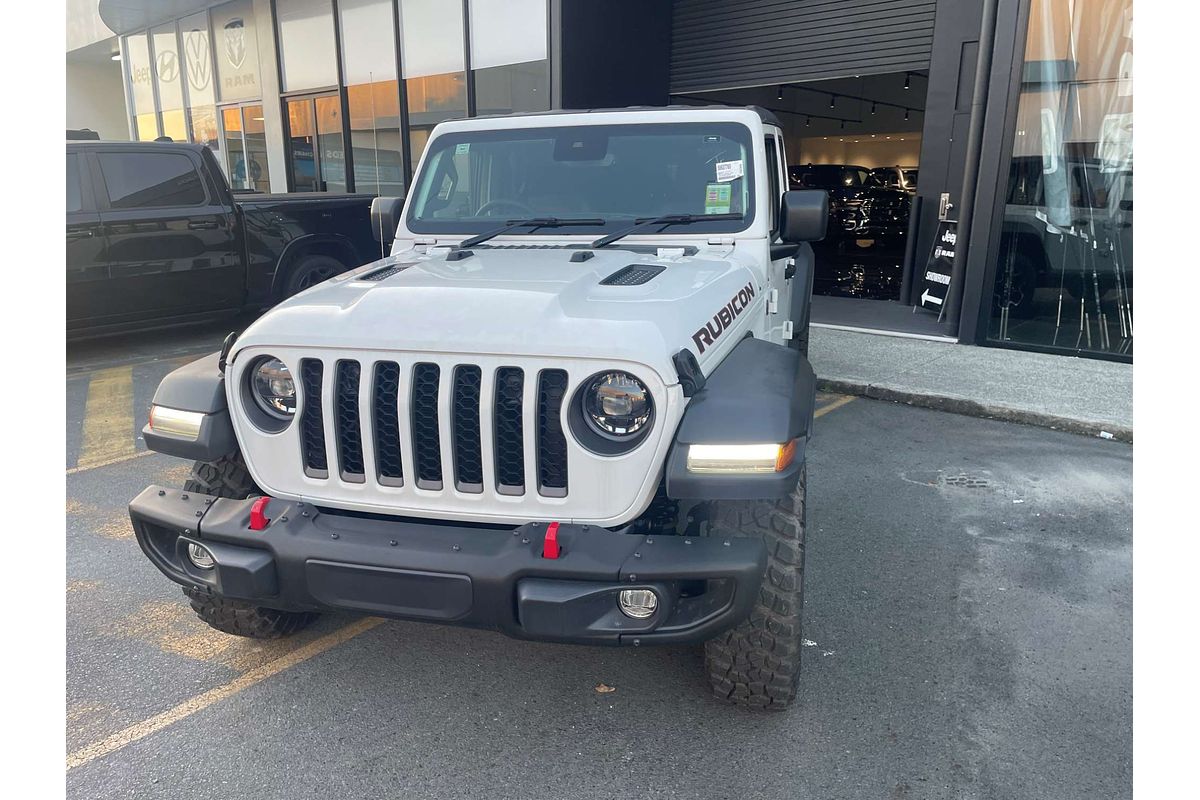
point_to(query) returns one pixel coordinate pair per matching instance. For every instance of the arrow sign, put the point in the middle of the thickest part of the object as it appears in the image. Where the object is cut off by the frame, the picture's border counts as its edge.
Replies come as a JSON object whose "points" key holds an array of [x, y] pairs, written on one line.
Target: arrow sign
{"points": [[939, 267]]}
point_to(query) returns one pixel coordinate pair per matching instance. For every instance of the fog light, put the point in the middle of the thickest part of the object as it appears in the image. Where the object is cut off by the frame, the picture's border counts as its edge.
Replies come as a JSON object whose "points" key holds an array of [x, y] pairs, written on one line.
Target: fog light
{"points": [[200, 557], [638, 603]]}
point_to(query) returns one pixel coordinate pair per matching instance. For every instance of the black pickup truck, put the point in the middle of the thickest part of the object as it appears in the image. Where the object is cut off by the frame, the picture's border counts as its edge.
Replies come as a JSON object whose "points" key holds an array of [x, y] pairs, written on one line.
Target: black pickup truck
{"points": [[155, 237]]}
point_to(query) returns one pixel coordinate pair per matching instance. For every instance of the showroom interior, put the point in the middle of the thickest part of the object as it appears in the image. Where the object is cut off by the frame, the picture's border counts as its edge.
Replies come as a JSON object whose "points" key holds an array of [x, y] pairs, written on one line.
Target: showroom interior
{"points": [[1006, 122]]}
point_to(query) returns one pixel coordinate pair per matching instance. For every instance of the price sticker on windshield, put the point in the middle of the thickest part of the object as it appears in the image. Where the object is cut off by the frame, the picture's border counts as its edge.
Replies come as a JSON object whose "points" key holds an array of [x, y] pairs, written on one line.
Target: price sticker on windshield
{"points": [[729, 171], [716, 198]]}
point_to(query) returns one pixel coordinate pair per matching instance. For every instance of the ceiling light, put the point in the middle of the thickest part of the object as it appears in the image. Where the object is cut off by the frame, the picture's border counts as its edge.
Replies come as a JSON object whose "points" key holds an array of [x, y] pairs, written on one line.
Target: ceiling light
{"points": [[808, 122], [873, 107], [906, 80], [779, 96], [906, 113], [832, 100], [116, 56]]}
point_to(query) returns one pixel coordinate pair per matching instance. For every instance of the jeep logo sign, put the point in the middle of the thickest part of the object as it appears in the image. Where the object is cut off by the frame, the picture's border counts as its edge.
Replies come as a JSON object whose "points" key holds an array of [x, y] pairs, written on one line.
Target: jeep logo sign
{"points": [[723, 318]]}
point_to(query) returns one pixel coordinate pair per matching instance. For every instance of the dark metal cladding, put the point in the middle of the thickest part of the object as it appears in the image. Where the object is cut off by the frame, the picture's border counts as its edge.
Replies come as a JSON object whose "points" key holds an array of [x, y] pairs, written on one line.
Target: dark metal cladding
{"points": [[426, 434], [312, 426], [347, 424], [468, 460], [386, 423], [551, 442], [509, 429]]}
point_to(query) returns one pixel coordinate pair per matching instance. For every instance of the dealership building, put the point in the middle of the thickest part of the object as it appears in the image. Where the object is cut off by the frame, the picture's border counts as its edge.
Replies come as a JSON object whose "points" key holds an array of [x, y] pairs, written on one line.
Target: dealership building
{"points": [[999, 131]]}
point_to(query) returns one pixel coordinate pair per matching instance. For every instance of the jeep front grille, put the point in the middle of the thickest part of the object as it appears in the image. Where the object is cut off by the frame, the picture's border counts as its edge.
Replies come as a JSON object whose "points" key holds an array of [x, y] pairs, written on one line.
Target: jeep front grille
{"points": [[458, 428]]}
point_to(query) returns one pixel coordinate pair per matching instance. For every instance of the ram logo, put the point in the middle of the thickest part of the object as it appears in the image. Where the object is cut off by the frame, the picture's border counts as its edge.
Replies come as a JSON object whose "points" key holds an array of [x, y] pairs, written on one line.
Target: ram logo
{"points": [[724, 318]]}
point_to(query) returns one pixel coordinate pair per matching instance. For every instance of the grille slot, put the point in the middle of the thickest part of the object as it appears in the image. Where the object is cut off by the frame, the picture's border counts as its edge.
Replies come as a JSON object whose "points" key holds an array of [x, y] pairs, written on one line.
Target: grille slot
{"points": [[633, 275], [509, 431], [551, 442], [347, 424], [468, 460], [386, 422], [312, 425], [426, 432]]}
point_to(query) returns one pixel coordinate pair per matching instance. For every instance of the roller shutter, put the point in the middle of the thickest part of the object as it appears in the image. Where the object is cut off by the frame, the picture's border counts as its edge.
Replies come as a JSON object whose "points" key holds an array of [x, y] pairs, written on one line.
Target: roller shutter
{"points": [[733, 44]]}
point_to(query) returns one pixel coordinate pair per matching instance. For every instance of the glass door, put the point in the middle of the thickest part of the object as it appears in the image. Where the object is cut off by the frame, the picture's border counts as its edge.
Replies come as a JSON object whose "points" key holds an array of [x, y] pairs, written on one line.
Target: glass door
{"points": [[245, 146], [316, 144], [331, 143]]}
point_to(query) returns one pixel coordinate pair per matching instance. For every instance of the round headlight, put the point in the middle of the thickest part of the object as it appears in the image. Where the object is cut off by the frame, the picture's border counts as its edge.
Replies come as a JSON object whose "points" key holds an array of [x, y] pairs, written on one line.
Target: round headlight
{"points": [[273, 388], [617, 404]]}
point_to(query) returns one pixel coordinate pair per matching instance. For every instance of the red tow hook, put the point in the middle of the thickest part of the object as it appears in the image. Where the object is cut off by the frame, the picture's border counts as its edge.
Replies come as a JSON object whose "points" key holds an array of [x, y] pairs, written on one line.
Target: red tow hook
{"points": [[550, 546], [258, 514]]}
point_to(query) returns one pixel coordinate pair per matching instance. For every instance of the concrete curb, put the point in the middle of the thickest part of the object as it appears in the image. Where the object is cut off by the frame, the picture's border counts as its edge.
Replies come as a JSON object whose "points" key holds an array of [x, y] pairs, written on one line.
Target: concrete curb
{"points": [[974, 408]]}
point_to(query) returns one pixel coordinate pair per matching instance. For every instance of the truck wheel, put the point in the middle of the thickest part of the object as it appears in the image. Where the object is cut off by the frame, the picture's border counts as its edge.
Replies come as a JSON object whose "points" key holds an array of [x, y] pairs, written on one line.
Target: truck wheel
{"points": [[309, 271], [757, 664], [228, 477]]}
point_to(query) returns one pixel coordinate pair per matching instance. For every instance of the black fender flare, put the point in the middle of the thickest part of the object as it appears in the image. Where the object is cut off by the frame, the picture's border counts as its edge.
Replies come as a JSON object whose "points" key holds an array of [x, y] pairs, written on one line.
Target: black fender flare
{"points": [[198, 387], [762, 393]]}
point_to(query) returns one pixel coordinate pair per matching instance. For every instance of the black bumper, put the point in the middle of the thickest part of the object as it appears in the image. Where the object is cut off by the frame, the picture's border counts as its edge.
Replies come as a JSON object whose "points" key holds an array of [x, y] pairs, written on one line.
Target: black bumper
{"points": [[306, 559]]}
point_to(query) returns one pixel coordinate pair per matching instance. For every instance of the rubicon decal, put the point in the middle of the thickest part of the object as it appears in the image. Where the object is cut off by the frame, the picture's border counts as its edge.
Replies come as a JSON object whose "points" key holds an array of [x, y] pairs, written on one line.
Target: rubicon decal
{"points": [[723, 318]]}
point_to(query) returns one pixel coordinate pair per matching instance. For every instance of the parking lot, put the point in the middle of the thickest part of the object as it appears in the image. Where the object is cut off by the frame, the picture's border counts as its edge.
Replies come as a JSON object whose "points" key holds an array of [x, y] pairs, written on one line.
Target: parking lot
{"points": [[967, 622]]}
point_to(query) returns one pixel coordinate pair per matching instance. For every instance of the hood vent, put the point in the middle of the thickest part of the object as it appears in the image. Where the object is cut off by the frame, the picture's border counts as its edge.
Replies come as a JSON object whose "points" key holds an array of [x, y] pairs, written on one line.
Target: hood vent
{"points": [[633, 275], [385, 273]]}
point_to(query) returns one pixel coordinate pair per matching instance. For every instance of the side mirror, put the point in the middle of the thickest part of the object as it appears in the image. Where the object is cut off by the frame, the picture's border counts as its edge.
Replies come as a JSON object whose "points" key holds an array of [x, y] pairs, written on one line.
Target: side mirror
{"points": [[385, 217], [803, 215]]}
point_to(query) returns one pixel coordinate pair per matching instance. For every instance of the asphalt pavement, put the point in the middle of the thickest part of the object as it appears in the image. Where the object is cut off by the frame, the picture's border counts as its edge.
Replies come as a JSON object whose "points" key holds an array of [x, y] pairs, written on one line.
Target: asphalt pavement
{"points": [[967, 622]]}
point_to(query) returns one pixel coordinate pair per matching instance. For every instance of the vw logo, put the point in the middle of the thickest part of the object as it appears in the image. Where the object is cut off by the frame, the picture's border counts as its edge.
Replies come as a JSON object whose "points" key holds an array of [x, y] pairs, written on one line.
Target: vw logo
{"points": [[196, 46]]}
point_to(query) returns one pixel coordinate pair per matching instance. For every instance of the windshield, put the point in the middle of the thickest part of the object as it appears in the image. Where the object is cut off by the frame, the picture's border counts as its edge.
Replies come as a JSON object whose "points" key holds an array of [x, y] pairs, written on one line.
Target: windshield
{"points": [[475, 181], [828, 177]]}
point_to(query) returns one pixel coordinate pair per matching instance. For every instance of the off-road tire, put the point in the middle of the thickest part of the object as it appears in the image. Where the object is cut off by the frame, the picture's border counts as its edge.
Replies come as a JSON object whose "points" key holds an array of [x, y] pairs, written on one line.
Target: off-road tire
{"points": [[309, 271], [244, 619], [757, 663], [225, 477], [228, 477]]}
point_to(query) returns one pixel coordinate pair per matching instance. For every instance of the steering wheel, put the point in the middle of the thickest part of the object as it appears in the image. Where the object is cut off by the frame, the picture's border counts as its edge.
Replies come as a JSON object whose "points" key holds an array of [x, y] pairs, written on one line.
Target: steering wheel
{"points": [[492, 205]]}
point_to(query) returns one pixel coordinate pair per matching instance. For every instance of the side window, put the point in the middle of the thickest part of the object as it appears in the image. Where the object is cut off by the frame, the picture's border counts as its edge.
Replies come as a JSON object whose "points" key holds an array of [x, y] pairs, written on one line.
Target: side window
{"points": [[74, 192], [773, 183], [151, 180]]}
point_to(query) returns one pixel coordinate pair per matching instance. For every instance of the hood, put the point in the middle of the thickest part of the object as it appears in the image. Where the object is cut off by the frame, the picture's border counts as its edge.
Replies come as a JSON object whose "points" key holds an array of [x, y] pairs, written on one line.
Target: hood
{"points": [[532, 301]]}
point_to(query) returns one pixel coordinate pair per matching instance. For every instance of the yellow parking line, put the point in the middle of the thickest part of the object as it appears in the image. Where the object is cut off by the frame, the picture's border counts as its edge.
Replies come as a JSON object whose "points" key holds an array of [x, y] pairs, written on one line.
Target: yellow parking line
{"points": [[108, 418], [158, 722], [836, 404], [110, 461]]}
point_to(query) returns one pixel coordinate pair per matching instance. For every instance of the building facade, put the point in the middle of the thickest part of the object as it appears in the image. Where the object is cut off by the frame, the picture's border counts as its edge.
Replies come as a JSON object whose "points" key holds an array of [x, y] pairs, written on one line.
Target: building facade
{"points": [[1016, 114]]}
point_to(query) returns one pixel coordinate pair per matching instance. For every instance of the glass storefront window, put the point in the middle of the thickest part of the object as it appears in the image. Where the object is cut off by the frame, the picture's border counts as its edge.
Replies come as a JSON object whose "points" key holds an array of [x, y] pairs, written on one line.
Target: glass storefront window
{"points": [[508, 56], [170, 88], [235, 43], [136, 56], [369, 71], [1064, 277], [198, 74], [306, 44], [431, 33], [317, 145]]}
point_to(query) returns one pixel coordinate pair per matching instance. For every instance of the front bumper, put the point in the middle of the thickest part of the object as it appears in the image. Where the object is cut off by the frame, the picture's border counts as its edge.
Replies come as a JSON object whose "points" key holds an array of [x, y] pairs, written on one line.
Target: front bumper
{"points": [[307, 559]]}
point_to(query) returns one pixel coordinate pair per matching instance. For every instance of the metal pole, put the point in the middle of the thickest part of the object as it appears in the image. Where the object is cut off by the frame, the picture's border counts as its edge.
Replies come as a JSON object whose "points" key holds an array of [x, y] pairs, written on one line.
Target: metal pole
{"points": [[983, 72], [910, 251]]}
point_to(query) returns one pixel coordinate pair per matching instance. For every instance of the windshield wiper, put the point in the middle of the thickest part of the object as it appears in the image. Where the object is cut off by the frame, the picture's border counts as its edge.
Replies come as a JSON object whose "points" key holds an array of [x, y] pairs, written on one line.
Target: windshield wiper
{"points": [[666, 219], [532, 222]]}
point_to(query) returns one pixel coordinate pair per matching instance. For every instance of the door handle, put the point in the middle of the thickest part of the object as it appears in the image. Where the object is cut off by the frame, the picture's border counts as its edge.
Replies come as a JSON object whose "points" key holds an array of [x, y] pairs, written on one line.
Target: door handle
{"points": [[202, 225], [86, 233]]}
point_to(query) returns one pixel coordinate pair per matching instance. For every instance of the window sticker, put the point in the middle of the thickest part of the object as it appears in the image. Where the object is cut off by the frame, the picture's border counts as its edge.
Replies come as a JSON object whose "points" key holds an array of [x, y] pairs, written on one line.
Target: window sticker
{"points": [[729, 171], [462, 149], [717, 198]]}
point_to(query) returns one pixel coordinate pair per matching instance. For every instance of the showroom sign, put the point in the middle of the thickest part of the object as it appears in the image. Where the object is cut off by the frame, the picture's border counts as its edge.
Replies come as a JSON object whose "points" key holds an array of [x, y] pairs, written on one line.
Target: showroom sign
{"points": [[940, 266]]}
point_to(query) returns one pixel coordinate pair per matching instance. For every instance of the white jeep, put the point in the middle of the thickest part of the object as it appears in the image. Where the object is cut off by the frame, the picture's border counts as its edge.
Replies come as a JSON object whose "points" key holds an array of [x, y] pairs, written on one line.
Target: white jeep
{"points": [[572, 404]]}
